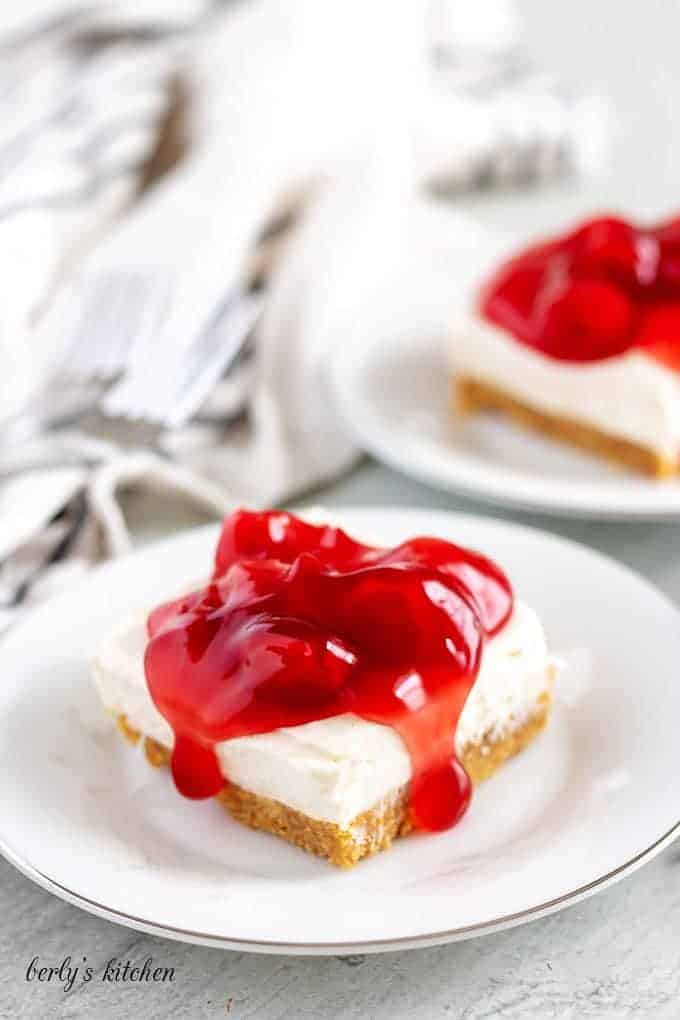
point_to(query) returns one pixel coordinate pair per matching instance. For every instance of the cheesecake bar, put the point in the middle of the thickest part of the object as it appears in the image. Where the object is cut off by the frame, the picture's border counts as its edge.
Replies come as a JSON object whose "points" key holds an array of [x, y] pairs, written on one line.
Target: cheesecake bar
{"points": [[340, 785], [578, 338]]}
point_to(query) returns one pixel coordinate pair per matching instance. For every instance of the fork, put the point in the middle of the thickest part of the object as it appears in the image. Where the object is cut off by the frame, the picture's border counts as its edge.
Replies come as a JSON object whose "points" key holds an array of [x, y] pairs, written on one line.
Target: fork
{"points": [[110, 359], [118, 309], [170, 397], [170, 390]]}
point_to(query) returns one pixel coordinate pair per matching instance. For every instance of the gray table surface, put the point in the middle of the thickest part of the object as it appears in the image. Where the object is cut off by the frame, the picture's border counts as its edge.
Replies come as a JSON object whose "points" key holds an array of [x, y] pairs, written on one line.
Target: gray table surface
{"points": [[616, 955]]}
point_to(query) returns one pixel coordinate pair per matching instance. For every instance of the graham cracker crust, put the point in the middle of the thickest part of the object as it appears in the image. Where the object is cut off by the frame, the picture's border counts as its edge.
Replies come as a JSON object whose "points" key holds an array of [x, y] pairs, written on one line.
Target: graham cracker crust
{"points": [[472, 395], [368, 833]]}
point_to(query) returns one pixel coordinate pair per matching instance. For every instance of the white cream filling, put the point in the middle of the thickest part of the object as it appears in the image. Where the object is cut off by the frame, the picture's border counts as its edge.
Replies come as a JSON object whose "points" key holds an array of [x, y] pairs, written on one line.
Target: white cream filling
{"points": [[630, 397], [337, 768]]}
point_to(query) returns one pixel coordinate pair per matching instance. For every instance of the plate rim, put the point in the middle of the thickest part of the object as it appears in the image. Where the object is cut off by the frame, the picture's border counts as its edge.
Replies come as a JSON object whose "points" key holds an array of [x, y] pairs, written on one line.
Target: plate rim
{"points": [[268, 946], [342, 369], [273, 947]]}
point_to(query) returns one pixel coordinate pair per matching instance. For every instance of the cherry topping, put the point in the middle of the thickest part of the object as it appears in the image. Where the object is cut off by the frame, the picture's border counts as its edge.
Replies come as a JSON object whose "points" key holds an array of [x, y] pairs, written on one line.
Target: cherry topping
{"points": [[659, 329], [597, 317], [302, 623], [601, 290], [607, 248]]}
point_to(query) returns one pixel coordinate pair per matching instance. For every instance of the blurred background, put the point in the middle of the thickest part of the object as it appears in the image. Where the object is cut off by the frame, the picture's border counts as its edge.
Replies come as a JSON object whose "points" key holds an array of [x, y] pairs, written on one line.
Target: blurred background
{"points": [[200, 203]]}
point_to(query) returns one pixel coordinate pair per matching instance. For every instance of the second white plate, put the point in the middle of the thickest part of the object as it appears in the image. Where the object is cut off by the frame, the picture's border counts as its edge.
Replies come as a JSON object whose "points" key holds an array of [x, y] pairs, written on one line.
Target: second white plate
{"points": [[393, 388]]}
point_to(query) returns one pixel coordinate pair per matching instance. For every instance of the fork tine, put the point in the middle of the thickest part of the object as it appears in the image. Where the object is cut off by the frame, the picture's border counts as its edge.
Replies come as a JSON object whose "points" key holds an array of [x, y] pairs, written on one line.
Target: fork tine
{"points": [[120, 325], [113, 313], [209, 358], [118, 310], [93, 337], [128, 394], [124, 318], [143, 386], [121, 312], [80, 347], [152, 312], [170, 392]]}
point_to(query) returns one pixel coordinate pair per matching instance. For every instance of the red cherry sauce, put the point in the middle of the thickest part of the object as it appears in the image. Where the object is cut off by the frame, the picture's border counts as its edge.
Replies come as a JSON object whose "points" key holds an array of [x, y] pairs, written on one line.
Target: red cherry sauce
{"points": [[301, 623], [606, 288]]}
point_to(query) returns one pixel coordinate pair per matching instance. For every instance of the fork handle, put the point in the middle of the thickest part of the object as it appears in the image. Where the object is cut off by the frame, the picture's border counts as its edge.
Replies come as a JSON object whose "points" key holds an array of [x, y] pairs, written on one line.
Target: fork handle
{"points": [[53, 406]]}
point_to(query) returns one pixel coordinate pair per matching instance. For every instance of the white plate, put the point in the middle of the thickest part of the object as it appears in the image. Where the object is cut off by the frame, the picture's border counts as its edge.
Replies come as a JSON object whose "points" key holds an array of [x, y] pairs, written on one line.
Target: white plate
{"points": [[595, 796], [394, 392], [393, 385]]}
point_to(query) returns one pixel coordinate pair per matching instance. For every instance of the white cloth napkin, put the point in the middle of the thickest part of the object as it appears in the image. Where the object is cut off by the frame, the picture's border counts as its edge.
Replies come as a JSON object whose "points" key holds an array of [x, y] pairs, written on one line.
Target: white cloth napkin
{"points": [[281, 92], [31, 18], [293, 438], [77, 125], [284, 94], [59, 520]]}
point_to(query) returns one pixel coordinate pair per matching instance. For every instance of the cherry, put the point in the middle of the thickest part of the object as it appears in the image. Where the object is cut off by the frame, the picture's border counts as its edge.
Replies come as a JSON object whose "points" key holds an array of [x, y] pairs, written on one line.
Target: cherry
{"points": [[510, 298], [610, 248], [593, 319], [659, 332], [302, 623], [605, 288]]}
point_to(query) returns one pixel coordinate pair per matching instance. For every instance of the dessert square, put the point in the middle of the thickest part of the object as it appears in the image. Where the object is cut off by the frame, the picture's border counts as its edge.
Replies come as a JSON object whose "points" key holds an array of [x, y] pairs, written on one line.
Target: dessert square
{"points": [[578, 338], [319, 751]]}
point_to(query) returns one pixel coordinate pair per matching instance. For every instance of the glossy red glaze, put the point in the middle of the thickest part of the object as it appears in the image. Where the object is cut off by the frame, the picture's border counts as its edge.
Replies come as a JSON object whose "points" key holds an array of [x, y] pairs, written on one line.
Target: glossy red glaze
{"points": [[599, 291], [302, 623]]}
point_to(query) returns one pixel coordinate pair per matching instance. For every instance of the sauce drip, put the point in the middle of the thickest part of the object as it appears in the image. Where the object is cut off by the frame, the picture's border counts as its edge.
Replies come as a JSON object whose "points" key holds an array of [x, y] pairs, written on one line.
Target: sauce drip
{"points": [[301, 623], [606, 288]]}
